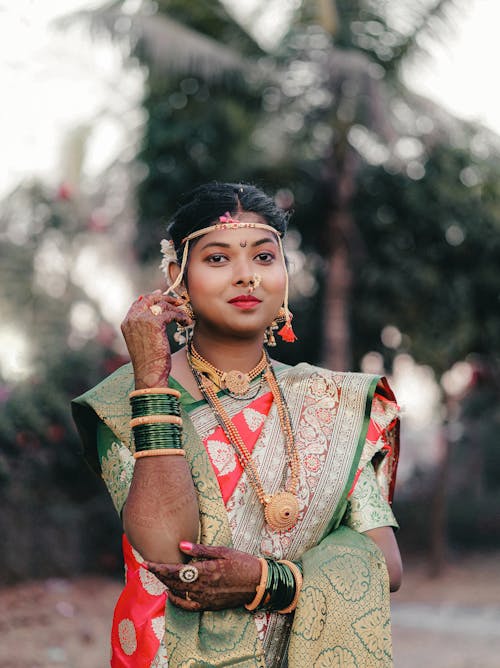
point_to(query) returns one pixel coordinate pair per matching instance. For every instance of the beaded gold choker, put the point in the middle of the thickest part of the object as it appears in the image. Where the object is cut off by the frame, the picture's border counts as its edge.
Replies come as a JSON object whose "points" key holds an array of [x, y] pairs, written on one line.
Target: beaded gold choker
{"points": [[234, 381], [281, 510]]}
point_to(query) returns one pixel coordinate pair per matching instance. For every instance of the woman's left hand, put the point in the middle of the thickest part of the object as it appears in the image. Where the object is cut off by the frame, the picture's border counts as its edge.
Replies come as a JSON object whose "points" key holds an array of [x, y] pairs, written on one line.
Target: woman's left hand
{"points": [[226, 578]]}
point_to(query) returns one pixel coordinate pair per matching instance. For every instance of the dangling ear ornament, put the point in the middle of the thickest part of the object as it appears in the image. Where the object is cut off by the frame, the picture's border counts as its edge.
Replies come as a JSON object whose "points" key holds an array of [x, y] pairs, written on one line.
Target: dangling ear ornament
{"points": [[169, 256], [286, 332], [183, 333]]}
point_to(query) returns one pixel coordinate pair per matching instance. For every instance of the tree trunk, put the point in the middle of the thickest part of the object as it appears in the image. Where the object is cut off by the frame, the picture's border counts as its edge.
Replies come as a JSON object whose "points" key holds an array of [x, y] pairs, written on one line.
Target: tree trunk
{"points": [[337, 336], [342, 246]]}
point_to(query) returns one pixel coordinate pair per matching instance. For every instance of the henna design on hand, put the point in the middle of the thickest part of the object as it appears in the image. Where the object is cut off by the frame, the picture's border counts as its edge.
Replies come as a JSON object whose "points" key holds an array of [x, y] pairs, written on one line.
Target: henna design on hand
{"points": [[146, 337], [227, 579]]}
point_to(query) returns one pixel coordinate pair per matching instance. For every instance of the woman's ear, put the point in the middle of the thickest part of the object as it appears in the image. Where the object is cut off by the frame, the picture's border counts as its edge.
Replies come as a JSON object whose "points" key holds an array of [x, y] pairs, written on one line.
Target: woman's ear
{"points": [[173, 272]]}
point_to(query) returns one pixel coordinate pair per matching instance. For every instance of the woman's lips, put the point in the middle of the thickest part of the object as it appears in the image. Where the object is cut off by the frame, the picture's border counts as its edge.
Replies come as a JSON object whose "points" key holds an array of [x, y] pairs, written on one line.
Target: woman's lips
{"points": [[244, 301]]}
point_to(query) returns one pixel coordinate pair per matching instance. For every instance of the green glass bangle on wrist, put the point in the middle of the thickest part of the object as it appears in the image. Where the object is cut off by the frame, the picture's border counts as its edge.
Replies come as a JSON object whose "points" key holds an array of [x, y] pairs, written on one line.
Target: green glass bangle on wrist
{"points": [[157, 436], [280, 587], [160, 404]]}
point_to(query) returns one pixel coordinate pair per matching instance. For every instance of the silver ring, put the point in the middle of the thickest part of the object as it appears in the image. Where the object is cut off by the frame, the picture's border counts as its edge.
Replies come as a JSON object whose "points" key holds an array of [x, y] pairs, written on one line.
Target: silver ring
{"points": [[188, 574], [188, 597]]}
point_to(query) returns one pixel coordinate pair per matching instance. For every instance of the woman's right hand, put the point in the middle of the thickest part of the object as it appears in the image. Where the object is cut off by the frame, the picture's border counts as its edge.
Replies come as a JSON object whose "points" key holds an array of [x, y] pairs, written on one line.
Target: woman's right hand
{"points": [[144, 332]]}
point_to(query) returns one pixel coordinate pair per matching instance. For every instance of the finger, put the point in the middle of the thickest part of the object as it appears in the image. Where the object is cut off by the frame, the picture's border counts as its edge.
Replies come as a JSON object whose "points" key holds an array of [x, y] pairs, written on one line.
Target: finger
{"points": [[198, 551], [164, 300], [185, 604], [154, 297], [166, 572], [158, 295], [161, 311], [209, 572], [176, 301], [171, 314], [169, 574]]}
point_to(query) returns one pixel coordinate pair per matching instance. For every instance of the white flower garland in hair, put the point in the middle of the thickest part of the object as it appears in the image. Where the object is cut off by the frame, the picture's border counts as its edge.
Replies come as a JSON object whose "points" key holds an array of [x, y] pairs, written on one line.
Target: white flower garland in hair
{"points": [[168, 256]]}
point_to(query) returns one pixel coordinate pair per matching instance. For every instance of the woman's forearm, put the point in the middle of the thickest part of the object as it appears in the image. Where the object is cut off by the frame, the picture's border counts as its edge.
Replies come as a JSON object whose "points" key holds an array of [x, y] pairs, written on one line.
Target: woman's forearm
{"points": [[161, 508], [385, 539]]}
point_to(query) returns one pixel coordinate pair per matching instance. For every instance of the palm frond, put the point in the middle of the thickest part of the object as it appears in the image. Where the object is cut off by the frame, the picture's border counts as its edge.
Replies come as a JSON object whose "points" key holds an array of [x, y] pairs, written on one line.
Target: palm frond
{"points": [[433, 22], [165, 45]]}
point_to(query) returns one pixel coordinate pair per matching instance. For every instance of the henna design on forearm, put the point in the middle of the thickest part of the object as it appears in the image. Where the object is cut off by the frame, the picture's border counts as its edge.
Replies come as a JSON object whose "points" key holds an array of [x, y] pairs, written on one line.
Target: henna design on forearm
{"points": [[154, 498], [153, 373]]}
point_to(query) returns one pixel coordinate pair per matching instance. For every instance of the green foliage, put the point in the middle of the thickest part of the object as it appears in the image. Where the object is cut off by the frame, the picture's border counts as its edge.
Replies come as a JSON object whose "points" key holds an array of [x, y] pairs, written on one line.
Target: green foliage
{"points": [[196, 133], [432, 248], [387, 32], [46, 492]]}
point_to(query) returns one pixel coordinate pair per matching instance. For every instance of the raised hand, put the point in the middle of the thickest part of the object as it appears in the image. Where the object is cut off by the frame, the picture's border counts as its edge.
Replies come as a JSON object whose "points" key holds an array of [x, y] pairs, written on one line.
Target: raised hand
{"points": [[226, 578], [144, 331]]}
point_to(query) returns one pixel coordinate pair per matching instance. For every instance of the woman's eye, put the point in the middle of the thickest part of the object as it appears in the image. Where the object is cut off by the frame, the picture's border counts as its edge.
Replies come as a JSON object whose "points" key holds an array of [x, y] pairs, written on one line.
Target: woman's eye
{"points": [[265, 257], [216, 258]]}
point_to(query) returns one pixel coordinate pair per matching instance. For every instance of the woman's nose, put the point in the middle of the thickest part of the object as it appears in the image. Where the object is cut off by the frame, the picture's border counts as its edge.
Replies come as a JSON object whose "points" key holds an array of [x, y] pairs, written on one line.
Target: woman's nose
{"points": [[244, 274], [251, 283], [245, 281]]}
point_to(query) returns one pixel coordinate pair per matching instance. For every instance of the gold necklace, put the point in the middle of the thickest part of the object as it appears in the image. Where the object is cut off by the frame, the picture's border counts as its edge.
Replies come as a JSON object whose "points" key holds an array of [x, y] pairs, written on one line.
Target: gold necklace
{"points": [[234, 381], [281, 510]]}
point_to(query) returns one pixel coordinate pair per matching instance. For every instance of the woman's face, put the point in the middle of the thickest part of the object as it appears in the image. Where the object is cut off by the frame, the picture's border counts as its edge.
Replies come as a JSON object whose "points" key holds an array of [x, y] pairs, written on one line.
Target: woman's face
{"points": [[221, 265]]}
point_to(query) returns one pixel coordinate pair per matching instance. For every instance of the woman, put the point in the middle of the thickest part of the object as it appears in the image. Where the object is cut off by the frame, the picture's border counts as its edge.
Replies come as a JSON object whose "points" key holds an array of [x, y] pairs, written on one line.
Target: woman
{"points": [[265, 537]]}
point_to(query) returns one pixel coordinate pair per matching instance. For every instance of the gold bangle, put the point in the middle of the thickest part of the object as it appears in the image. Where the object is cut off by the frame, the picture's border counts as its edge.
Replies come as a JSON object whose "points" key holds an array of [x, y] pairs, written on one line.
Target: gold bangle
{"points": [[297, 576], [154, 390], [158, 452], [261, 587], [156, 419]]}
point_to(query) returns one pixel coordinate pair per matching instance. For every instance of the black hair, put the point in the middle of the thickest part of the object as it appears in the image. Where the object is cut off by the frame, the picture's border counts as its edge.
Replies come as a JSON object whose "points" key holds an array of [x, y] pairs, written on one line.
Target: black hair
{"points": [[202, 207]]}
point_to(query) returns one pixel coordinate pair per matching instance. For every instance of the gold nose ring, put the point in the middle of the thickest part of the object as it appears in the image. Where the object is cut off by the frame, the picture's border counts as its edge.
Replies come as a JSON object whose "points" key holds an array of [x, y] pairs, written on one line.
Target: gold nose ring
{"points": [[254, 283]]}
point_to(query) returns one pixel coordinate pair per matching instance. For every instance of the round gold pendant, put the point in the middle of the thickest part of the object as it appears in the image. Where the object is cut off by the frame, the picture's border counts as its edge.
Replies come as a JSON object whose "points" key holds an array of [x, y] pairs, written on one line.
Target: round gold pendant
{"points": [[236, 382], [282, 511]]}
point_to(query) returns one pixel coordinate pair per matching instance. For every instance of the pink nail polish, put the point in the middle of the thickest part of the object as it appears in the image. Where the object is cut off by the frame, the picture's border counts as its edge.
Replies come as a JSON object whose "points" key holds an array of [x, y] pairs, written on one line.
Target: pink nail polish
{"points": [[186, 546]]}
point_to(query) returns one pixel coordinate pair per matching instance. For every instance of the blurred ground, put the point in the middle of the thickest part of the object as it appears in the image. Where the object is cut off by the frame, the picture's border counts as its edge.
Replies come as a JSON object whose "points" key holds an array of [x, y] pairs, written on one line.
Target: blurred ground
{"points": [[450, 622]]}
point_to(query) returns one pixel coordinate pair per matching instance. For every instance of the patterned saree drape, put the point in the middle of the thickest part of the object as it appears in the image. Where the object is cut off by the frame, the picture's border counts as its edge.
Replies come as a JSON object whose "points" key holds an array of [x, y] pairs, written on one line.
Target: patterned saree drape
{"points": [[343, 617]]}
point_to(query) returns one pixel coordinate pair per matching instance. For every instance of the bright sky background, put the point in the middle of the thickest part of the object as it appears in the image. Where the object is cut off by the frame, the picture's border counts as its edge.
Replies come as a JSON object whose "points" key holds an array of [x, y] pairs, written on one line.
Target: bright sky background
{"points": [[51, 82]]}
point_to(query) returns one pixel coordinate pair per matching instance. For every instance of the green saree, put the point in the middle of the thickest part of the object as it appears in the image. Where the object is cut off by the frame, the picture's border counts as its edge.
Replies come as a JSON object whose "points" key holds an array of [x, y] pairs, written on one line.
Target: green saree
{"points": [[343, 616]]}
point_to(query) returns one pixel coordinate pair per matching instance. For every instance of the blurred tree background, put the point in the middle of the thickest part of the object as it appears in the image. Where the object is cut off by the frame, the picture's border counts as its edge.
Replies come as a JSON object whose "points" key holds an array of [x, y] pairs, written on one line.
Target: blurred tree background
{"points": [[394, 250]]}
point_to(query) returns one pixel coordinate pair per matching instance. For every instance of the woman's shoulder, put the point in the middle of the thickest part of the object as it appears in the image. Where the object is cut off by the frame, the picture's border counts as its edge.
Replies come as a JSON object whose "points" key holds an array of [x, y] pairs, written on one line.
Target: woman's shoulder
{"points": [[114, 388]]}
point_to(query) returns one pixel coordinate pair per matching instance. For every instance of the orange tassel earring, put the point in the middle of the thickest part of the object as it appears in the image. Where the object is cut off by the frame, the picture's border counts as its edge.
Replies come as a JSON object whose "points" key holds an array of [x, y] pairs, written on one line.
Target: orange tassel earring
{"points": [[287, 333]]}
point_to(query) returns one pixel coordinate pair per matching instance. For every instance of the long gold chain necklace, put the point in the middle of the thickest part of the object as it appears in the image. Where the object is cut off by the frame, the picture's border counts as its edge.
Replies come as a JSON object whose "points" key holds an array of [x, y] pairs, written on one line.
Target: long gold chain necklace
{"points": [[281, 510], [235, 382]]}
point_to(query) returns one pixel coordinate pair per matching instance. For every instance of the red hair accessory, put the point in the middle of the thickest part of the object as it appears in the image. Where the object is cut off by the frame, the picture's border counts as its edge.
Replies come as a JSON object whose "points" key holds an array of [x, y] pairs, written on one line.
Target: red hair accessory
{"points": [[227, 218]]}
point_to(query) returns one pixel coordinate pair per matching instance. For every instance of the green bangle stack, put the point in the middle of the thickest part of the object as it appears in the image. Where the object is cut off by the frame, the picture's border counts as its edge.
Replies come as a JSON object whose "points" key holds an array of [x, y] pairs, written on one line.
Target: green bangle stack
{"points": [[155, 404], [156, 423], [284, 580], [154, 436]]}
